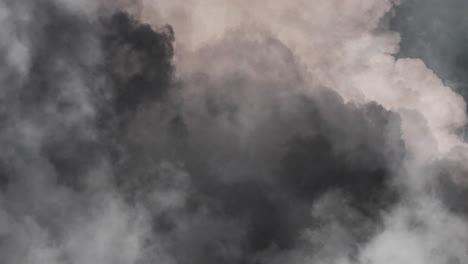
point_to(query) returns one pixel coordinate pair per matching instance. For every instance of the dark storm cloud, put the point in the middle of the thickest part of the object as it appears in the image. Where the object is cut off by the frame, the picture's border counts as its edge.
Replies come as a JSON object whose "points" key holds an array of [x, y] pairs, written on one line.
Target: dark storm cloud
{"points": [[63, 95], [138, 60], [135, 68], [109, 158], [258, 156]]}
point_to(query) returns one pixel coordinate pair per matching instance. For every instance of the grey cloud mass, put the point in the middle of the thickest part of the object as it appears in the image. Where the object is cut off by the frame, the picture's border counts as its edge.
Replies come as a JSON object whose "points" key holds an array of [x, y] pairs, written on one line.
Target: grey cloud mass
{"points": [[214, 132]]}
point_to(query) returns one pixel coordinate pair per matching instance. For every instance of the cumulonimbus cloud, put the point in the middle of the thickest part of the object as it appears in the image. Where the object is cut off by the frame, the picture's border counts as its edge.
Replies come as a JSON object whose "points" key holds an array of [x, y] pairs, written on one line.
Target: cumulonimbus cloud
{"points": [[224, 132]]}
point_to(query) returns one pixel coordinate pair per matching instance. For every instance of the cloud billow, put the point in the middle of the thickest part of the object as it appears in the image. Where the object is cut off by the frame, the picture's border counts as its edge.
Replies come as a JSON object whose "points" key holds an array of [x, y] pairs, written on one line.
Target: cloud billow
{"points": [[157, 132]]}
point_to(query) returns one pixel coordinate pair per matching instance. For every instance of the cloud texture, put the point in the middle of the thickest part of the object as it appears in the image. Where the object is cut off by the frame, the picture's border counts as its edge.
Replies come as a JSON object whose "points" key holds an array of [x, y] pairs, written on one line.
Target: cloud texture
{"points": [[190, 131]]}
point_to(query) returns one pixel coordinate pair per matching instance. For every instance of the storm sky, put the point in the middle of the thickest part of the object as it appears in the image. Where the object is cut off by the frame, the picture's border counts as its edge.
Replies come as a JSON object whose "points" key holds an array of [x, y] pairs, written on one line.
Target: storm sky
{"points": [[233, 132]]}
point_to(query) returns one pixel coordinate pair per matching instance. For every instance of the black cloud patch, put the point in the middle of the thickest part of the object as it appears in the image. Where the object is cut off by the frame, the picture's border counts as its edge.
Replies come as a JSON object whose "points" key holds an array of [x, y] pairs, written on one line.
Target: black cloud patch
{"points": [[138, 60], [258, 157]]}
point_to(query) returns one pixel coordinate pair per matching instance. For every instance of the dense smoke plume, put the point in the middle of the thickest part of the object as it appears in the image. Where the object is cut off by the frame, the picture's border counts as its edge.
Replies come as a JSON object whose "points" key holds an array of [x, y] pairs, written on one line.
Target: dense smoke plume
{"points": [[190, 131]]}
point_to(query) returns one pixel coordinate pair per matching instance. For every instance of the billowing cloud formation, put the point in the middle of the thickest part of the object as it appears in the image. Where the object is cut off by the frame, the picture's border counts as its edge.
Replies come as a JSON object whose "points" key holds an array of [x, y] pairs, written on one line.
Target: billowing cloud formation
{"points": [[436, 32], [224, 132]]}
